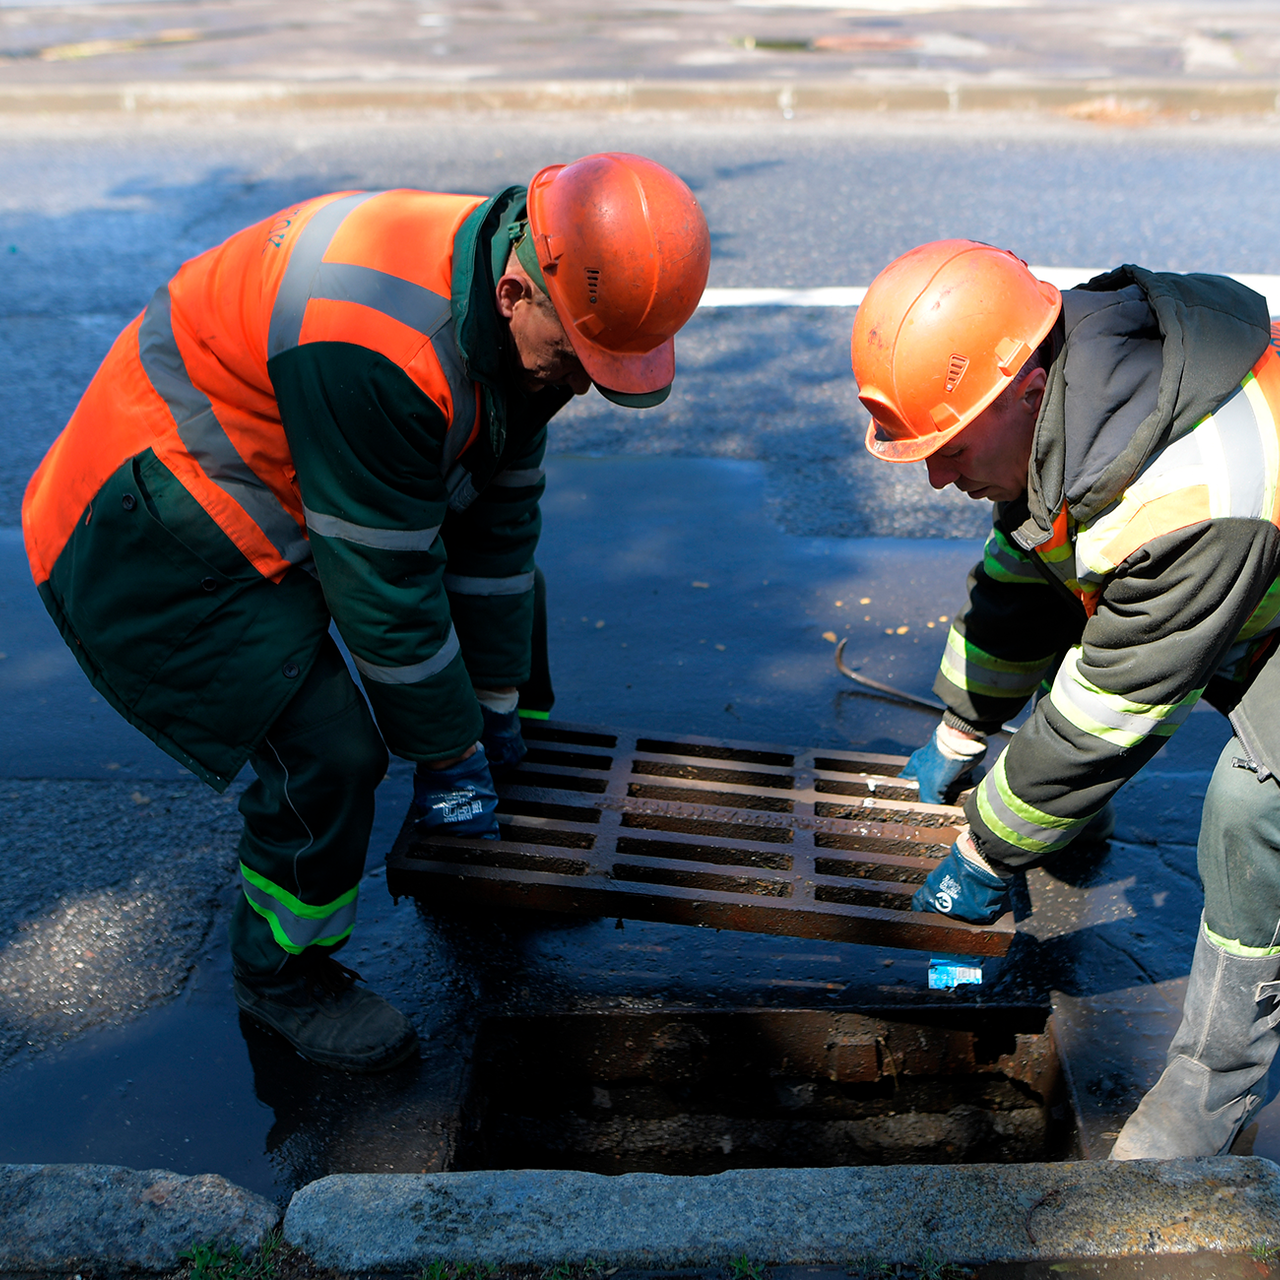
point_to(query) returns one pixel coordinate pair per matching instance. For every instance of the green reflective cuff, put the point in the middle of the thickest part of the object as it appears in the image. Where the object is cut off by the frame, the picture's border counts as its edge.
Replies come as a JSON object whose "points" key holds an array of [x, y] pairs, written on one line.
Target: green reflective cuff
{"points": [[534, 715], [296, 905], [1234, 947]]}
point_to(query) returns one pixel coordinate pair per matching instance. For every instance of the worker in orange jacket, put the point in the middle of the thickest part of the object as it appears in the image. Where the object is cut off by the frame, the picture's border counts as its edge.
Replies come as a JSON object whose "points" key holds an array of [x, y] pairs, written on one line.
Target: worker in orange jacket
{"points": [[340, 413]]}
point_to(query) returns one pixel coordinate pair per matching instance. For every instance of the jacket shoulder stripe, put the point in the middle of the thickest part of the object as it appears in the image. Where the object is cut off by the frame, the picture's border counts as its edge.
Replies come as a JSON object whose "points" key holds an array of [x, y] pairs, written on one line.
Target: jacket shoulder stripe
{"points": [[368, 536], [304, 261], [1166, 514], [207, 442], [402, 300]]}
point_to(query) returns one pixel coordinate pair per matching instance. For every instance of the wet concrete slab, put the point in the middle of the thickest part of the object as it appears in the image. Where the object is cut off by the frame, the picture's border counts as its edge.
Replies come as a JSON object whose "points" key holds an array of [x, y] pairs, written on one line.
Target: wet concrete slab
{"points": [[677, 606]]}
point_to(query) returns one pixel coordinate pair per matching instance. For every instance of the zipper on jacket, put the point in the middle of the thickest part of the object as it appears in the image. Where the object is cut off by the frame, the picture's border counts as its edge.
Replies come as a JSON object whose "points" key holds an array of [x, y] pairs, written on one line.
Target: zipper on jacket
{"points": [[1252, 758]]}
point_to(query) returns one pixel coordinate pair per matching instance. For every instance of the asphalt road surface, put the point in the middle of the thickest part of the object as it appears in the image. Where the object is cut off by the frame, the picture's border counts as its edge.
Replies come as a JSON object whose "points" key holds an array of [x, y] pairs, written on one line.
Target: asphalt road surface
{"points": [[94, 216], [119, 871]]}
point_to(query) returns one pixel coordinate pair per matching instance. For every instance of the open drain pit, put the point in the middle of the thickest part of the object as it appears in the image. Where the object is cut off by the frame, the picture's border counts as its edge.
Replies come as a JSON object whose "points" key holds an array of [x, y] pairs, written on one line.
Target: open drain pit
{"points": [[813, 843], [701, 1092]]}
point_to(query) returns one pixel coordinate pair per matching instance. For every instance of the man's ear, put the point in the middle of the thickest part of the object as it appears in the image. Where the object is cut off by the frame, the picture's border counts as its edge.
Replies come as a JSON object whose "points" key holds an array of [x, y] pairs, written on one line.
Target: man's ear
{"points": [[1031, 393], [510, 290]]}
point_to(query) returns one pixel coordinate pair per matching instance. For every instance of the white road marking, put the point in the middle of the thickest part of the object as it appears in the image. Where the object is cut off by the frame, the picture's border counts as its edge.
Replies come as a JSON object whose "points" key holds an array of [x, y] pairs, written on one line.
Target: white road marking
{"points": [[851, 296]]}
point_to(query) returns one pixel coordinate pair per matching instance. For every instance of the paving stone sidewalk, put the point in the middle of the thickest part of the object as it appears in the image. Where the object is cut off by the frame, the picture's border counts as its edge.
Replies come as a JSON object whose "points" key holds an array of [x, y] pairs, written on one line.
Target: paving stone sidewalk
{"points": [[1110, 63]]}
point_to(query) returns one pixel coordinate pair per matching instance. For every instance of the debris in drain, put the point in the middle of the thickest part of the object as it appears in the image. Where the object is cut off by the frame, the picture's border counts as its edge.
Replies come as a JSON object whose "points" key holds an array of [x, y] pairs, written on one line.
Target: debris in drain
{"points": [[700, 1092], [811, 843], [947, 972]]}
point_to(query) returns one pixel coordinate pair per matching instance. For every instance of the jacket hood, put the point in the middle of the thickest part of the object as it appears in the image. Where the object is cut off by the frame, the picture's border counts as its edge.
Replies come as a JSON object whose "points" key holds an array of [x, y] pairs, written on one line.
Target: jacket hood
{"points": [[480, 251], [1143, 357]]}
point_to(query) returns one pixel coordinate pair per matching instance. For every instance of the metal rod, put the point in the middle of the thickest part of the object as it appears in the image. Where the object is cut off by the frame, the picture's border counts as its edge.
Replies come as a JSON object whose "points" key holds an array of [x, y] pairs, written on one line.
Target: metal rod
{"points": [[929, 704]]}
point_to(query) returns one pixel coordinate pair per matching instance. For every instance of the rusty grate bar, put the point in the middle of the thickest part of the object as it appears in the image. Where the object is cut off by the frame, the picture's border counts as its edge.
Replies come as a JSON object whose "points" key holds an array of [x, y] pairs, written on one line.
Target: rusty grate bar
{"points": [[811, 843]]}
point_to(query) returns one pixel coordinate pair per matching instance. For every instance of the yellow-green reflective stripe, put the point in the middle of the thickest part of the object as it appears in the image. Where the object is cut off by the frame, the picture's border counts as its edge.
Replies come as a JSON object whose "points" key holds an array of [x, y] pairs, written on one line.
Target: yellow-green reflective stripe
{"points": [[1005, 563], [1234, 947], [1053, 554], [1109, 716], [1018, 823], [977, 671], [295, 924], [1263, 616], [534, 715]]}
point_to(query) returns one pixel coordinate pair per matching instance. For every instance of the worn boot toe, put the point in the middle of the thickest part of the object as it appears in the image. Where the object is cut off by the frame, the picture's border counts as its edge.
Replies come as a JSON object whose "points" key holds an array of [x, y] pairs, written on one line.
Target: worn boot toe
{"points": [[319, 1010]]}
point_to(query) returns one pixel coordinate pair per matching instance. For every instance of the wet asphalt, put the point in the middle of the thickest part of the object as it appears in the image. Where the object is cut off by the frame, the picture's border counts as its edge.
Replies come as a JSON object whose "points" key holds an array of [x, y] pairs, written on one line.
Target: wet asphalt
{"points": [[118, 1037]]}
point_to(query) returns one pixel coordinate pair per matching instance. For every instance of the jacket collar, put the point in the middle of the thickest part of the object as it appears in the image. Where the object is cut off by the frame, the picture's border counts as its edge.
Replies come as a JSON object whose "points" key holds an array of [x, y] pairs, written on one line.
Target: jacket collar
{"points": [[480, 250]]}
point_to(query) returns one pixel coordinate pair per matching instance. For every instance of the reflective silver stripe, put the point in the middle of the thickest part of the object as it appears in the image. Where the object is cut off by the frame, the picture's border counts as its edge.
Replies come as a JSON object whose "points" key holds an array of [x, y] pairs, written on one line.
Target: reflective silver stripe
{"points": [[204, 437], [402, 300], [300, 931], [416, 672], [973, 669], [308, 276], [516, 585], [1111, 716], [518, 479], [304, 261], [1244, 456], [999, 809], [367, 536]]}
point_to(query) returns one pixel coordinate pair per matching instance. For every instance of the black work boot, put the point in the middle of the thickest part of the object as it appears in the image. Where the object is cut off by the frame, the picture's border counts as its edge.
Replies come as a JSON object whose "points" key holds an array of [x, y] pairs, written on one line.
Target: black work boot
{"points": [[314, 1003], [1215, 1080]]}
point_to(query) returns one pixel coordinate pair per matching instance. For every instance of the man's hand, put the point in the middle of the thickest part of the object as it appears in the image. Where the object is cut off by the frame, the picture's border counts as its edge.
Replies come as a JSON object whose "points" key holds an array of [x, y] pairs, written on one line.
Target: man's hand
{"points": [[964, 886], [944, 764], [457, 799]]}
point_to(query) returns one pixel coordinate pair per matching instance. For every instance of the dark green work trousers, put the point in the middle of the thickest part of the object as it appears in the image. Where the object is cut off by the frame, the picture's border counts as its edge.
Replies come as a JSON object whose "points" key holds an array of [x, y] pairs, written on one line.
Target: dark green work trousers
{"points": [[308, 816], [307, 820], [1239, 856]]}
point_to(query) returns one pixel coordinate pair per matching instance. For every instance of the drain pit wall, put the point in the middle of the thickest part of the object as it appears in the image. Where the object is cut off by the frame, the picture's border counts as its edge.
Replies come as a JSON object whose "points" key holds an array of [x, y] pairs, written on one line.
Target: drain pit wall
{"points": [[696, 1092]]}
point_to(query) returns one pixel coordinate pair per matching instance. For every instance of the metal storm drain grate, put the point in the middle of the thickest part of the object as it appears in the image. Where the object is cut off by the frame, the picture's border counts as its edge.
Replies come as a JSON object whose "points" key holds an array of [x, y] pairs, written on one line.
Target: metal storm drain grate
{"points": [[729, 835]]}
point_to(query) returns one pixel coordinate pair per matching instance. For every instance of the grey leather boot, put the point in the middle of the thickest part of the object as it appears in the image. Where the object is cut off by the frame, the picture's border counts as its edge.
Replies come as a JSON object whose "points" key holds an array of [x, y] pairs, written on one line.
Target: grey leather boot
{"points": [[315, 1005], [1216, 1075]]}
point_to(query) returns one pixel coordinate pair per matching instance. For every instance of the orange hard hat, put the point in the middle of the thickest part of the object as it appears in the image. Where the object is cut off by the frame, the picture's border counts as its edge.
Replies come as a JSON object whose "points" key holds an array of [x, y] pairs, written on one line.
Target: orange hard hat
{"points": [[941, 332], [623, 251]]}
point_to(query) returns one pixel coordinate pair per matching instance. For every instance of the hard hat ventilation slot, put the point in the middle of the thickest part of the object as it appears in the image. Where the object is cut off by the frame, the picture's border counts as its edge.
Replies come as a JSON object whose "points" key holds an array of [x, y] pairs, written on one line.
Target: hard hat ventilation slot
{"points": [[955, 371], [593, 282]]}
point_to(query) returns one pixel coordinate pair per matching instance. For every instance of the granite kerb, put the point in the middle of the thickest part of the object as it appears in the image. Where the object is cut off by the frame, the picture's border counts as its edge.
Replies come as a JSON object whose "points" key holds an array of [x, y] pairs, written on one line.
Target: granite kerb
{"points": [[107, 1218], [966, 1214]]}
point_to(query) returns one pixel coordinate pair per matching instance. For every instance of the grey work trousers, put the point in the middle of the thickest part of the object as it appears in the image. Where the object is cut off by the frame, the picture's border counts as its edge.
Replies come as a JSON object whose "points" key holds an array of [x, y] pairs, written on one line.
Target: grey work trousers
{"points": [[1239, 853]]}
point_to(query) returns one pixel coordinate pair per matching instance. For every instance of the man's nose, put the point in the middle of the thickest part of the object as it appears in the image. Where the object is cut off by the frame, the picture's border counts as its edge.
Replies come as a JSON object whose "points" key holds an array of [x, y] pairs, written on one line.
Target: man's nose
{"points": [[941, 471]]}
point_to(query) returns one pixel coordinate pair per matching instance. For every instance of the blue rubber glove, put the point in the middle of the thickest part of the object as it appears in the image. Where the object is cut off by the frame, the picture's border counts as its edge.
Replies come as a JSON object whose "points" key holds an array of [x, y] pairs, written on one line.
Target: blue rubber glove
{"points": [[459, 800], [958, 888], [942, 774], [502, 741]]}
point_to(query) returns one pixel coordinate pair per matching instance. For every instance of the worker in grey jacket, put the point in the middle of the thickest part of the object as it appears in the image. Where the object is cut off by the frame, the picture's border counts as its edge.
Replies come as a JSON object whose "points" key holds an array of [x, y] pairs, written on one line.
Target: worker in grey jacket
{"points": [[1128, 432]]}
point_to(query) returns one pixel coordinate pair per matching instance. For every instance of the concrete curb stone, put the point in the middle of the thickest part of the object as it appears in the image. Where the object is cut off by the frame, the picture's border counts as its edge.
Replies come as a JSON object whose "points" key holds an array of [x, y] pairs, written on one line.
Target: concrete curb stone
{"points": [[65, 1217], [974, 1213], [1133, 101]]}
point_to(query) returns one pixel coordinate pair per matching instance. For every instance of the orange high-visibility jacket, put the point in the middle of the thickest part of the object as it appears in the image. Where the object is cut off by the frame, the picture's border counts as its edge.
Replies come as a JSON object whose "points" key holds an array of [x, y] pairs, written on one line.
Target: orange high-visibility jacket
{"points": [[309, 410]]}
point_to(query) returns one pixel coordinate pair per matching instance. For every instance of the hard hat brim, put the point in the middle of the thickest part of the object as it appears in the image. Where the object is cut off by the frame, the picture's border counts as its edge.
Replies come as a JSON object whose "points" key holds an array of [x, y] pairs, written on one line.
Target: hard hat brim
{"points": [[635, 400], [909, 448], [638, 373]]}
